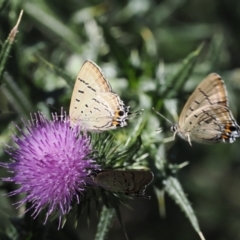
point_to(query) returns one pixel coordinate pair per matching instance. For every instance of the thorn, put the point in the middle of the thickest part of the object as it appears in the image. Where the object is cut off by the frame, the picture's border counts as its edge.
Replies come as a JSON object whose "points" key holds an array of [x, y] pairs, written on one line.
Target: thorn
{"points": [[15, 28]]}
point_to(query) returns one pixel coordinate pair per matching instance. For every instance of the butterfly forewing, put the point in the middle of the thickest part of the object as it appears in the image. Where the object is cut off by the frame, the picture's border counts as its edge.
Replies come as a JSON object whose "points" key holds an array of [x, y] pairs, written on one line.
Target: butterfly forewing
{"points": [[206, 117], [92, 77], [93, 104], [211, 91], [132, 182]]}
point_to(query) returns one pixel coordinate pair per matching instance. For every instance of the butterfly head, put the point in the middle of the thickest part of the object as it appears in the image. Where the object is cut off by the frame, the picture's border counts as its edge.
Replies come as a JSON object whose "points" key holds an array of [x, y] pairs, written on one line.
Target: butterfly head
{"points": [[174, 128], [120, 117], [177, 130]]}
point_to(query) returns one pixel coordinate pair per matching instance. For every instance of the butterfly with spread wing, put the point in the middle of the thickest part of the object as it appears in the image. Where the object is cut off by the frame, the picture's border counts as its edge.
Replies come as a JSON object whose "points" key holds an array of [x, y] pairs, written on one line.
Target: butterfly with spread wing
{"points": [[130, 182]]}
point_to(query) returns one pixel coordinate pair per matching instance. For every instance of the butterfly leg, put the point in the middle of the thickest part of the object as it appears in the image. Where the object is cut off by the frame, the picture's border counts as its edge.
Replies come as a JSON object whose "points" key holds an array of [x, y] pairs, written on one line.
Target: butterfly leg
{"points": [[189, 140], [174, 135]]}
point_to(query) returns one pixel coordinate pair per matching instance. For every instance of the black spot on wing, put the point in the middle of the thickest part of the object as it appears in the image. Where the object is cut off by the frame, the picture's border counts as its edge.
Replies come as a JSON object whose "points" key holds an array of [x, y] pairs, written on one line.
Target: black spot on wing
{"points": [[92, 88], [81, 80], [97, 109], [233, 128], [120, 113], [205, 95], [224, 102], [190, 108], [94, 99], [87, 84]]}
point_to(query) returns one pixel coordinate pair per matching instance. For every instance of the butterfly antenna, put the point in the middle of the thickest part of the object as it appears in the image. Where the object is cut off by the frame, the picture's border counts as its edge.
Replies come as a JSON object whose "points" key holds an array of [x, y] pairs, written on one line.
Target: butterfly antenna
{"points": [[51, 106], [162, 116], [135, 114]]}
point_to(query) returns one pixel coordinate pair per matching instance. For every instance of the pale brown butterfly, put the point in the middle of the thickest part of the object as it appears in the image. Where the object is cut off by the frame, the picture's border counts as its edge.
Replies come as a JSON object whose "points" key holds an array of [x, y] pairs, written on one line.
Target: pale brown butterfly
{"points": [[130, 182], [206, 117], [94, 105]]}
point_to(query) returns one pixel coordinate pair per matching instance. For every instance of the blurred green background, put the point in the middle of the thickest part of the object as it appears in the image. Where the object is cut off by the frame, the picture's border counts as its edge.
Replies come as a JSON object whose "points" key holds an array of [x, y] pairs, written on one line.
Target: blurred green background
{"points": [[140, 46]]}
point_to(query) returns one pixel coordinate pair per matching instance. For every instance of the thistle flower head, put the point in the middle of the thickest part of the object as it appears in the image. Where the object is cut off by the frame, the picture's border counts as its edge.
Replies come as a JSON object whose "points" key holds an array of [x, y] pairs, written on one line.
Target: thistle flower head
{"points": [[51, 164]]}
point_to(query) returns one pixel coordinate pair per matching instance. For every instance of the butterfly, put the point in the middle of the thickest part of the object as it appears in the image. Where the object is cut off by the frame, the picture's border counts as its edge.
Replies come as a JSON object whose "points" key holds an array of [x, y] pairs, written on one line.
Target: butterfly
{"points": [[94, 105], [206, 117], [130, 182]]}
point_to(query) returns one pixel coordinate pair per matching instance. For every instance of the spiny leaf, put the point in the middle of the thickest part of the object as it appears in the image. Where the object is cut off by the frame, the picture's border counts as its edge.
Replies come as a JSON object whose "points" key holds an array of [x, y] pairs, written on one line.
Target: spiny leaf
{"points": [[120, 220], [175, 191], [126, 157], [175, 83], [58, 71], [119, 53], [17, 97], [104, 223], [165, 9], [109, 155], [214, 53], [161, 201], [7, 46], [39, 11], [139, 126], [3, 3]]}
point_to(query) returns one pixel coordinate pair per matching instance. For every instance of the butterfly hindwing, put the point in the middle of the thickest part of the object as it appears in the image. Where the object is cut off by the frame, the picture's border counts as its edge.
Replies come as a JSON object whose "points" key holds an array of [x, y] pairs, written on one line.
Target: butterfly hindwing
{"points": [[212, 124], [206, 116]]}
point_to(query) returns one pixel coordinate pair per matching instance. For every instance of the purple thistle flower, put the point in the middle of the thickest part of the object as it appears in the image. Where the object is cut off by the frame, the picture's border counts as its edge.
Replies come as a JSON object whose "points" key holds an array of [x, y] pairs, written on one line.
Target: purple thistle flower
{"points": [[51, 164]]}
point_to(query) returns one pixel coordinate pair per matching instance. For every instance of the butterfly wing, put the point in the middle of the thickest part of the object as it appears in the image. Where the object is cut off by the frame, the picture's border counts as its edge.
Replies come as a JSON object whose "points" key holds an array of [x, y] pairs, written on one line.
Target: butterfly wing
{"points": [[93, 104], [132, 182], [206, 117], [211, 91], [211, 125]]}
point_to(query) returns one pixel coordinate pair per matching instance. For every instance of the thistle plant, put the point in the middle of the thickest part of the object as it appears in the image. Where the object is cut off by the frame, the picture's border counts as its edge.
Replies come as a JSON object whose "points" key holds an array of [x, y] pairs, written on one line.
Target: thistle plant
{"points": [[140, 48], [51, 163]]}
